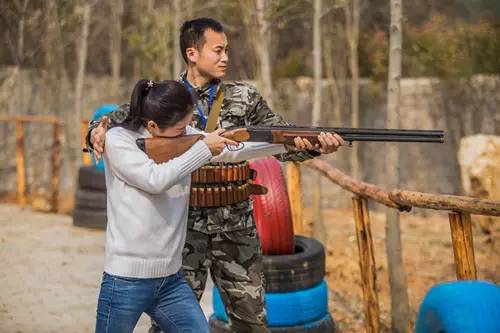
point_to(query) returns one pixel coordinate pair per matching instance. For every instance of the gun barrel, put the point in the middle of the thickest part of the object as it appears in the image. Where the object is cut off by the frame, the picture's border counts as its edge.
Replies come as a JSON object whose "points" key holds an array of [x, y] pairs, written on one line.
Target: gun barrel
{"points": [[352, 131], [392, 138], [265, 133]]}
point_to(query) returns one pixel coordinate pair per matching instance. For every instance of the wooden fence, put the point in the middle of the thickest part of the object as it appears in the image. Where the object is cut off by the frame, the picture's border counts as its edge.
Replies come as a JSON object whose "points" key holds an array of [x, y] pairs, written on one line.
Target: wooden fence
{"points": [[460, 208], [20, 155]]}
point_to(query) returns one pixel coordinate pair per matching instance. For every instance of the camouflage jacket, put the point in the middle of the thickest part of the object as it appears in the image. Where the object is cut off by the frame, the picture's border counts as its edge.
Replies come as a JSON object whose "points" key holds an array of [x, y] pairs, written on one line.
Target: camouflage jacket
{"points": [[242, 106]]}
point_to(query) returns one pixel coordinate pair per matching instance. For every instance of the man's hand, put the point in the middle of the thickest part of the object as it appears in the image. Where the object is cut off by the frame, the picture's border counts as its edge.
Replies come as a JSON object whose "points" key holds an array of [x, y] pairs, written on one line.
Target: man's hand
{"points": [[216, 143], [328, 143], [98, 136]]}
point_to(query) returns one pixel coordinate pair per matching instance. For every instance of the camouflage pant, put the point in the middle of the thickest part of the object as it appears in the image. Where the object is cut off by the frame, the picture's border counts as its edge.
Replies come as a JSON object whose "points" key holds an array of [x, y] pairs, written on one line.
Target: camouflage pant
{"points": [[235, 262]]}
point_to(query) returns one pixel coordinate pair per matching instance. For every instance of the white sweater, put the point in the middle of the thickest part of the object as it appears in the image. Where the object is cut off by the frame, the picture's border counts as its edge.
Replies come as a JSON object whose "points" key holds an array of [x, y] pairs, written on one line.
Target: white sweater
{"points": [[147, 203]]}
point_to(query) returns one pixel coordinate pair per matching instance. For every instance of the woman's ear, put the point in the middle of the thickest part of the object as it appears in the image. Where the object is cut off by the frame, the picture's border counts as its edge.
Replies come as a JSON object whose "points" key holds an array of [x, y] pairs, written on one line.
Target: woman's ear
{"points": [[152, 127]]}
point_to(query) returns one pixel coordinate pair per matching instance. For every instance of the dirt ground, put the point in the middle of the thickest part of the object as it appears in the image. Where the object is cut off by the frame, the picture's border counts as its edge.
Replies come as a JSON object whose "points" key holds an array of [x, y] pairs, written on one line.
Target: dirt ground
{"points": [[50, 270], [50, 274]]}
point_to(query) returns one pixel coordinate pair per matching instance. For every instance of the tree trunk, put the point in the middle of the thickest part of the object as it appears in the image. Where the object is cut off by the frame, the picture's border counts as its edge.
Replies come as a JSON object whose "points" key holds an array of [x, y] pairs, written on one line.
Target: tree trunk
{"points": [[19, 101], [115, 46], [263, 55], [352, 31], [319, 230], [400, 311], [80, 76], [177, 25]]}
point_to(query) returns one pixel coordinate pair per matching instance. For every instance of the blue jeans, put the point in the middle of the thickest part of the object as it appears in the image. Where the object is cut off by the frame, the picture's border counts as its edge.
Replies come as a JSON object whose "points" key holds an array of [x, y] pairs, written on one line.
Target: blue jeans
{"points": [[169, 301]]}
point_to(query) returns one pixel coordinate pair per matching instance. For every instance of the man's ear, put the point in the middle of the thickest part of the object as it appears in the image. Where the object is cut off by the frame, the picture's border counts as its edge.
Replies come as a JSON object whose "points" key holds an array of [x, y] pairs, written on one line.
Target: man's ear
{"points": [[192, 54]]}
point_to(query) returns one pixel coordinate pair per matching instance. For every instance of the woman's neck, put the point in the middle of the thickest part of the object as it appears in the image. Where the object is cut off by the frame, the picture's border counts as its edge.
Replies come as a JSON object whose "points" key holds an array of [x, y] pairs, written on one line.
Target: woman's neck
{"points": [[195, 78]]}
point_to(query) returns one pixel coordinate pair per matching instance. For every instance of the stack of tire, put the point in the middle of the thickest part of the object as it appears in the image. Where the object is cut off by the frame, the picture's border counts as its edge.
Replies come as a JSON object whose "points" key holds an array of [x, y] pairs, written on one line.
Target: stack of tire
{"points": [[294, 266], [90, 198]]}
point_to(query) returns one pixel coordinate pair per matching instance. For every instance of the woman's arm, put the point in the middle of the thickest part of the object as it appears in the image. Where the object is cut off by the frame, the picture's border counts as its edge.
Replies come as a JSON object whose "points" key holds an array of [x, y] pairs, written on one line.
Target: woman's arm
{"points": [[130, 164], [249, 150], [246, 151]]}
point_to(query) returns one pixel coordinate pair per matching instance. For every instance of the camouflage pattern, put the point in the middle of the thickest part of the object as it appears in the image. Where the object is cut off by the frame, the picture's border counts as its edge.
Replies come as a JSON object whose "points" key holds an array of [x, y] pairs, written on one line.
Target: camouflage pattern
{"points": [[224, 239]]}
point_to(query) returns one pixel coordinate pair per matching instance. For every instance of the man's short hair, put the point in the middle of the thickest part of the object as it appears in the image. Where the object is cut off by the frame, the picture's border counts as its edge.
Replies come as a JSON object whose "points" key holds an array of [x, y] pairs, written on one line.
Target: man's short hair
{"points": [[192, 33]]}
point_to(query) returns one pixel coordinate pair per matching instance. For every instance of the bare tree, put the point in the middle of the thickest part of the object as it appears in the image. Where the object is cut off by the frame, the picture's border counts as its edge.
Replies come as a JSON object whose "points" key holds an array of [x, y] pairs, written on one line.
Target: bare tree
{"points": [[19, 58], [352, 10], [82, 61], [262, 49], [115, 45], [400, 311], [319, 230], [177, 23]]}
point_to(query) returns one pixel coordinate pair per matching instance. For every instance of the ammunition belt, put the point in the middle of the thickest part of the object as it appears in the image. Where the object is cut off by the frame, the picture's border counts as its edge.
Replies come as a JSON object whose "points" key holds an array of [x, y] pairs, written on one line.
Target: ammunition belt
{"points": [[217, 196], [224, 173]]}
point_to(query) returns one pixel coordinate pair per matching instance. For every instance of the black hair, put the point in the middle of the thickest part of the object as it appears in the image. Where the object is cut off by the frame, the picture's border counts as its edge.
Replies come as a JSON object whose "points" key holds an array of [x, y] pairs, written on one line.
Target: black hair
{"points": [[165, 102], [192, 33]]}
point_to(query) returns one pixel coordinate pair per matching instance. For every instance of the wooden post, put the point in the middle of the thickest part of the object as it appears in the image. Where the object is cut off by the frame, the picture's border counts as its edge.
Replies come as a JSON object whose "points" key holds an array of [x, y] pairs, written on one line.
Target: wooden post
{"points": [[295, 196], [20, 164], [366, 263], [56, 165], [463, 246], [85, 156]]}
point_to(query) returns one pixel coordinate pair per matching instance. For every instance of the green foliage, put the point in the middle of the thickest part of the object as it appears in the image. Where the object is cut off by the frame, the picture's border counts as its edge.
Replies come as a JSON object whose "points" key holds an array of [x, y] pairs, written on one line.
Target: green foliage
{"points": [[374, 54], [291, 66], [448, 49], [150, 42]]}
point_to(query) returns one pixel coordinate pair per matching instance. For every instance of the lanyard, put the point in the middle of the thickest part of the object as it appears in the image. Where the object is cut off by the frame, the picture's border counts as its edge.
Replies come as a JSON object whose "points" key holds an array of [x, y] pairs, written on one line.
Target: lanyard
{"points": [[198, 107]]}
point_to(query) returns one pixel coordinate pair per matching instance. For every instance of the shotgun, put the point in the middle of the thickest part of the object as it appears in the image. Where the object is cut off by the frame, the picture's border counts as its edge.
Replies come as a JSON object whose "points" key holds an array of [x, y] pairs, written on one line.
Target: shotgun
{"points": [[163, 149]]}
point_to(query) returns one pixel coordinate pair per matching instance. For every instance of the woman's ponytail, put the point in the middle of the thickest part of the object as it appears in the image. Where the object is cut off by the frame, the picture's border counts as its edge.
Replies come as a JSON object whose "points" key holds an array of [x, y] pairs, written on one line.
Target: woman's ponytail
{"points": [[136, 115]]}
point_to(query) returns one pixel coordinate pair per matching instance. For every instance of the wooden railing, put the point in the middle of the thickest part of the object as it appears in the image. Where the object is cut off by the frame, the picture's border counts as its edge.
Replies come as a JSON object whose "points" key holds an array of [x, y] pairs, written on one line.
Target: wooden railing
{"points": [[20, 155], [86, 158], [460, 208]]}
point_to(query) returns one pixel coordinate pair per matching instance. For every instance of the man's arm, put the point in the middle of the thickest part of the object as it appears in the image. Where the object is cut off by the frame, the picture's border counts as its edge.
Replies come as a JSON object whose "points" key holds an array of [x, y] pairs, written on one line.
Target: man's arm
{"points": [[95, 137]]}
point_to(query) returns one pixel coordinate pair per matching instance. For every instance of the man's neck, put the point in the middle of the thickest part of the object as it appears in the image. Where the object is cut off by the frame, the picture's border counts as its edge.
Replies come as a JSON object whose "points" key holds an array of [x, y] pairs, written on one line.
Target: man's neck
{"points": [[195, 78]]}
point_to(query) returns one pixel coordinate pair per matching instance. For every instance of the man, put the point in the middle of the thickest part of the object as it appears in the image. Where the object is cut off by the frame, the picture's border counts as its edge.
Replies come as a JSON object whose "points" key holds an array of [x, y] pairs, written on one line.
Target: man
{"points": [[224, 239]]}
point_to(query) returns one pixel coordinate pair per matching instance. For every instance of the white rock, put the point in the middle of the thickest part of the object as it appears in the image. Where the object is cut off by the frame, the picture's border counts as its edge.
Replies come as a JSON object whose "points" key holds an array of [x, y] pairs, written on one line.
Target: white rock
{"points": [[479, 159]]}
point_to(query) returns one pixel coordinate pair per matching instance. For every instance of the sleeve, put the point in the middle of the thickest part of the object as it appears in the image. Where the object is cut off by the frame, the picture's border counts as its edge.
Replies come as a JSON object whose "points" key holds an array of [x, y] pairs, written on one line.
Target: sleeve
{"points": [[247, 151], [127, 162], [115, 118], [261, 114]]}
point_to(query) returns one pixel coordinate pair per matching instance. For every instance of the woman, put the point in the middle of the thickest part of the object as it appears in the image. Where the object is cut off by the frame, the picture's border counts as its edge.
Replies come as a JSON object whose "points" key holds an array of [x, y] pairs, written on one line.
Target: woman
{"points": [[147, 212]]}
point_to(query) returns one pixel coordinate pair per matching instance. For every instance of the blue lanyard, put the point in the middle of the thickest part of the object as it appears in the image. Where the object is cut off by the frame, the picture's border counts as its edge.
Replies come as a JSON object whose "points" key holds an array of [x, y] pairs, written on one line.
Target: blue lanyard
{"points": [[198, 107]]}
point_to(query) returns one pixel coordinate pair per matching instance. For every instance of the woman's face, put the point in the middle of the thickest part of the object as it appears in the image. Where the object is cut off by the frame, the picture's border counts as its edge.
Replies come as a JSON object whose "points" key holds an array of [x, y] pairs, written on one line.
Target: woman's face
{"points": [[175, 130]]}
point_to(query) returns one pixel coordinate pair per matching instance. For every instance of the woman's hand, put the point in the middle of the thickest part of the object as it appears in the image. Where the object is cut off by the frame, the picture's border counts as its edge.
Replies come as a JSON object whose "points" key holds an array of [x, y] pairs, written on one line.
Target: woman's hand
{"points": [[216, 143]]}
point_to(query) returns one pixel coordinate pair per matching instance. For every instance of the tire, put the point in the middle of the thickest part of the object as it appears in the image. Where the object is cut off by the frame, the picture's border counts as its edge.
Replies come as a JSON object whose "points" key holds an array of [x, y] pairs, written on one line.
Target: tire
{"points": [[271, 211], [90, 218], [324, 325], [90, 178], [301, 270], [90, 199], [287, 309], [460, 307]]}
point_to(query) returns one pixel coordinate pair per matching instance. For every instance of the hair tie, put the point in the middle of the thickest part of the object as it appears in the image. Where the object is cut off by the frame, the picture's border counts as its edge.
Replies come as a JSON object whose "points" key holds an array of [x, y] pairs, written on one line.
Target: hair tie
{"points": [[150, 85]]}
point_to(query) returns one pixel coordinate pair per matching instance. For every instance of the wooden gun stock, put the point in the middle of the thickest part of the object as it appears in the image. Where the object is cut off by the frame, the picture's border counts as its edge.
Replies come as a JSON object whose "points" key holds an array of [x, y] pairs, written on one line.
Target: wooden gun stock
{"points": [[162, 149]]}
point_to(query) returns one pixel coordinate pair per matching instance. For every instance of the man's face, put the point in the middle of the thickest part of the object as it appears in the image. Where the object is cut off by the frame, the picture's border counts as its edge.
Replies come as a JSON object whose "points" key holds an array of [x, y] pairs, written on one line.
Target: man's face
{"points": [[212, 60]]}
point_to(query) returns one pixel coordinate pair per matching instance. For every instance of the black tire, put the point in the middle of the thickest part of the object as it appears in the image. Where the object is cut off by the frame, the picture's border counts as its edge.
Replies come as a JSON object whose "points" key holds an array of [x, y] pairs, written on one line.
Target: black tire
{"points": [[91, 179], [302, 270], [324, 325], [90, 218], [90, 199]]}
